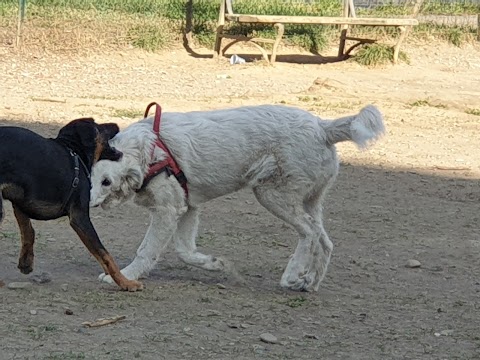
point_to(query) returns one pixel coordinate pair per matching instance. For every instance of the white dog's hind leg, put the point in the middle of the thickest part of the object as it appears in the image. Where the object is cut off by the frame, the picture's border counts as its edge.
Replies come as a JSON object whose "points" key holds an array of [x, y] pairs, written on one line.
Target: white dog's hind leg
{"points": [[322, 245], [184, 240], [287, 204]]}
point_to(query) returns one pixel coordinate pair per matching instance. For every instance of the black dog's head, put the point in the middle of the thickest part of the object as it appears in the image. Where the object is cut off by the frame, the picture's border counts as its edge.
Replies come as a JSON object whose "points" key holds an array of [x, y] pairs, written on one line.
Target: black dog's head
{"points": [[87, 137]]}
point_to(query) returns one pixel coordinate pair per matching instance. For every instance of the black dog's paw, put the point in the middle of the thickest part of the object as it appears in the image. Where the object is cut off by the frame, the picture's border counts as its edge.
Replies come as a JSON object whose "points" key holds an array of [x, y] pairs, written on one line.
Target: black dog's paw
{"points": [[25, 266]]}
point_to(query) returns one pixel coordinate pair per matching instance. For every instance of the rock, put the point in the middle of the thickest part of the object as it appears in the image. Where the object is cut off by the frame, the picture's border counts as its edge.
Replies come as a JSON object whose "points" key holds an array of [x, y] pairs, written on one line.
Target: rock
{"points": [[18, 285], [33, 312], [268, 338], [64, 287], [311, 336], [68, 312], [444, 333], [221, 286], [258, 349], [413, 264], [42, 278], [245, 326]]}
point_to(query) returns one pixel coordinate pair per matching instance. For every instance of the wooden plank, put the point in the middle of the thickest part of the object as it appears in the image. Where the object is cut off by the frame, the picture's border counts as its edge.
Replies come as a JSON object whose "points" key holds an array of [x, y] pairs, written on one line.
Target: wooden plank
{"points": [[325, 20]]}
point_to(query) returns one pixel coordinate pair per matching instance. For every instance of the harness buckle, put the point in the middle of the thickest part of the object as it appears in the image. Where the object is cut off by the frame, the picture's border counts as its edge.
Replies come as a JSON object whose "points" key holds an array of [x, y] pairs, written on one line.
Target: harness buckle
{"points": [[75, 182]]}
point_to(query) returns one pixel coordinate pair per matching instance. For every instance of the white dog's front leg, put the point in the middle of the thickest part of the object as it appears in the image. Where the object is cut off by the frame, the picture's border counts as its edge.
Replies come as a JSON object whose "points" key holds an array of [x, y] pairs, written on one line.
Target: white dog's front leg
{"points": [[166, 203], [163, 224]]}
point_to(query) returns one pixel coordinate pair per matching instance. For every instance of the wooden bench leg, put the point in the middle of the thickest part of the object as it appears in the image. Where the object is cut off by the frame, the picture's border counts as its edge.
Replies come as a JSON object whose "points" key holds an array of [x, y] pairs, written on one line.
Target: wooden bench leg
{"points": [[396, 49], [343, 39], [280, 32], [218, 42]]}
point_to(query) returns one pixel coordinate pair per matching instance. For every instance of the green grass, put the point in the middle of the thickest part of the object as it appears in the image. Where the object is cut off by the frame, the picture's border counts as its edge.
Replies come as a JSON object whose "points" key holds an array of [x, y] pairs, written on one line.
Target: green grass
{"points": [[157, 24], [475, 112], [426, 102], [149, 37], [297, 301], [377, 54], [128, 113]]}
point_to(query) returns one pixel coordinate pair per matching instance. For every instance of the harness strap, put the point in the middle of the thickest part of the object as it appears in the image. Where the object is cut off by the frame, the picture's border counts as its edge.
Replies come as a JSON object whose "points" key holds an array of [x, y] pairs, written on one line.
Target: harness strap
{"points": [[169, 164]]}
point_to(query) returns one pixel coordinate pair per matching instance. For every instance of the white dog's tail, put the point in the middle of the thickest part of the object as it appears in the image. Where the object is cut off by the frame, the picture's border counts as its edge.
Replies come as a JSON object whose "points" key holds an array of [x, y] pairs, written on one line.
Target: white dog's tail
{"points": [[362, 129]]}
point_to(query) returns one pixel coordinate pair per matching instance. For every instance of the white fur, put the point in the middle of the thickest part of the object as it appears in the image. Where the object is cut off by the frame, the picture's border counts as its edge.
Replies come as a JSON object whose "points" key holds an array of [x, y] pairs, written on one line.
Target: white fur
{"points": [[286, 155]]}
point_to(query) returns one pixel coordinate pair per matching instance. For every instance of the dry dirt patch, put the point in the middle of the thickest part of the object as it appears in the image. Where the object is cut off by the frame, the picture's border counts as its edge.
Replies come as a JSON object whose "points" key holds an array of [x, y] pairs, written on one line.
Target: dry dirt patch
{"points": [[414, 195]]}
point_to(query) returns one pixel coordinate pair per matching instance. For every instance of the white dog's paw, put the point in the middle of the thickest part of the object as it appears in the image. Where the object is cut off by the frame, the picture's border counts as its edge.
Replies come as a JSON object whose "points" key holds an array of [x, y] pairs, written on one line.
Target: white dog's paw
{"points": [[106, 279], [300, 278]]}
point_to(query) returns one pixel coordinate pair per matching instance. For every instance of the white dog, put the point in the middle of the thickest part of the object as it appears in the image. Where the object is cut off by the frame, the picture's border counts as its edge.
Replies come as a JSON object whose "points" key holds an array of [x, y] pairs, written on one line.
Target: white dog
{"points": [[286, 155]]}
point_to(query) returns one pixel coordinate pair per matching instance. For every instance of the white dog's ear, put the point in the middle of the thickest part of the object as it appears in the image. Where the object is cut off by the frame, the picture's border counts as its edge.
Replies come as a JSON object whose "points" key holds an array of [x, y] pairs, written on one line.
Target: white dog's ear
{"points": [[134, 178]]}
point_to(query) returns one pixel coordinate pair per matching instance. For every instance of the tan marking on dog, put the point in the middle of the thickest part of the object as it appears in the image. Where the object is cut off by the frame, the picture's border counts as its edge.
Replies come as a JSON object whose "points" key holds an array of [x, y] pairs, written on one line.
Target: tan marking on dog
{"points": [[99, 147]]}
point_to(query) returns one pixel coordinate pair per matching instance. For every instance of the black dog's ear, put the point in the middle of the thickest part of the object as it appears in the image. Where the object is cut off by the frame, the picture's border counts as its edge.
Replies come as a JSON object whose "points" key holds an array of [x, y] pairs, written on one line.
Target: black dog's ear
{"points": [[109, 130], [110, 153], [80, 131]]}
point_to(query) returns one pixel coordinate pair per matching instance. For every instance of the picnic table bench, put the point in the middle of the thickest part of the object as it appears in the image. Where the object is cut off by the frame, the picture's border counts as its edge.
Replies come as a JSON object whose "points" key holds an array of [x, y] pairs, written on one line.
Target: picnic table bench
{"points": [[227, 15]]}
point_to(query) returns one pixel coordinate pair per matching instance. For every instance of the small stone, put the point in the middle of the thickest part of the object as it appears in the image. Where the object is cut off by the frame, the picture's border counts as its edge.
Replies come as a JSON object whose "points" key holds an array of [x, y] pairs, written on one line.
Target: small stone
{"points": [[18, 285], [232, 326], [221, 286], [268, 338], [68, 312], [42, 278], [245, 326], [446, 332], [33, 312], [413, 264], [258, 349], [64, 287], [311, 336]]}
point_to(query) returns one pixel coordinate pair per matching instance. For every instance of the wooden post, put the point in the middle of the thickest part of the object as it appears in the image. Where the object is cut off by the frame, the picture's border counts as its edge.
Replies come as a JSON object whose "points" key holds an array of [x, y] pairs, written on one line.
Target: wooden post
{"points": [[343, 33], [219, 33], [21, 17], [478, 27]]}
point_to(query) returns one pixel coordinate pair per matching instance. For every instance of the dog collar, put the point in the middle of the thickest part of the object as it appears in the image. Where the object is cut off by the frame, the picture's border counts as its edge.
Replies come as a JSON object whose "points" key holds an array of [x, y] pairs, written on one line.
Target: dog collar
{"points": [[77, 160]]}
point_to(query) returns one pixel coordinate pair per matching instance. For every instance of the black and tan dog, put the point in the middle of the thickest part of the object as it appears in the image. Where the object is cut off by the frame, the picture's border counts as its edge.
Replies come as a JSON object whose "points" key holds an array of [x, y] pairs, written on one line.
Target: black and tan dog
{"points": [[49, 178]]}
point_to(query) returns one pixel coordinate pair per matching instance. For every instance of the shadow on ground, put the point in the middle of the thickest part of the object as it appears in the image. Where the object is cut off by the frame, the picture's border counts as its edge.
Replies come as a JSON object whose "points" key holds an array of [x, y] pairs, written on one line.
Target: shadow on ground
{"points": [[370, 306]]}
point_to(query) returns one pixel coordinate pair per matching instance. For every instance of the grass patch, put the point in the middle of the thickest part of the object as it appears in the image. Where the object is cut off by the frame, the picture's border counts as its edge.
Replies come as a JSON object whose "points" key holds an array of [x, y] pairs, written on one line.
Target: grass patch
{"points": [[153, 25], [40, 332], [149, 37], [426, 102], [128, 113], [297, 301], [475, 112], [377, 54], [454, 36]]}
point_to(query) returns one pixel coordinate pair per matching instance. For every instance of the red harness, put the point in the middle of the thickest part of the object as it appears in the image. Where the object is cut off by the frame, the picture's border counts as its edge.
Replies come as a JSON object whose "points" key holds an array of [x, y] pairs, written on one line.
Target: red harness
{"points": [[169, 164]]}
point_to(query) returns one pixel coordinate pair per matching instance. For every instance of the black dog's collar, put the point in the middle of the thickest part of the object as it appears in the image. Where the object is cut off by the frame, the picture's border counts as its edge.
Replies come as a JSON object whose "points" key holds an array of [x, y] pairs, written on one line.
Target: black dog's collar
{"points": [[77, 160]]}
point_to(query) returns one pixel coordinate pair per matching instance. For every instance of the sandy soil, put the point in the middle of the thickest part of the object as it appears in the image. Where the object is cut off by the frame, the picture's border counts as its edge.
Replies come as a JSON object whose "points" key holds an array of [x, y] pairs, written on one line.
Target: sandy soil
{"points": [[414, 195]]}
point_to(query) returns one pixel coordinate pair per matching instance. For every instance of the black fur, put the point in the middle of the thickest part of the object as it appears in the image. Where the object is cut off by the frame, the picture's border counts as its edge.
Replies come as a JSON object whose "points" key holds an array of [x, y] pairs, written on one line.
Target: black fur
{"points": [[36, 175]]}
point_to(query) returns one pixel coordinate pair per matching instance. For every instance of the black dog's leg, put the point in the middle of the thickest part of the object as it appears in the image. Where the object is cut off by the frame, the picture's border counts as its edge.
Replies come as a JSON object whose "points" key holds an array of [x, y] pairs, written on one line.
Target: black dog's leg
{"points": [[27, 234], [82, 225]]}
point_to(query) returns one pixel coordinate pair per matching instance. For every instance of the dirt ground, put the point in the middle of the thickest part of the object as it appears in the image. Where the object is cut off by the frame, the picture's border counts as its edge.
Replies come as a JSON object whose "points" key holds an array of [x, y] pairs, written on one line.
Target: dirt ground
{"points": [[414, 195]]}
